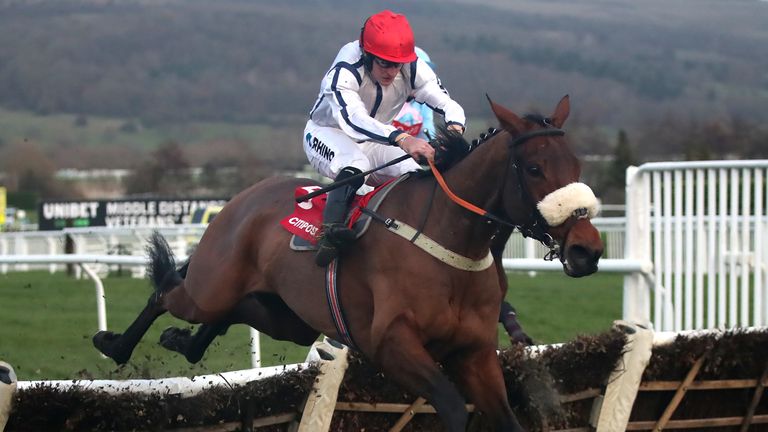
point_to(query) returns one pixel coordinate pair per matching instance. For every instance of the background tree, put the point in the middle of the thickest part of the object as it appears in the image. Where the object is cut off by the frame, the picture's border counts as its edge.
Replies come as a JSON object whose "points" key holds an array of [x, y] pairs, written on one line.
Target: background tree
{"points": [[165, 172], [210, 180], [32, 174], [614, 177], [121, 59]]}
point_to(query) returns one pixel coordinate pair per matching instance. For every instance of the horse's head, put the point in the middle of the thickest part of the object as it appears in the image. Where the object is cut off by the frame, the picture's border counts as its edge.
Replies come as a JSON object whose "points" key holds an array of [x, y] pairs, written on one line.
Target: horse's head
{"points": [[544, 176]]}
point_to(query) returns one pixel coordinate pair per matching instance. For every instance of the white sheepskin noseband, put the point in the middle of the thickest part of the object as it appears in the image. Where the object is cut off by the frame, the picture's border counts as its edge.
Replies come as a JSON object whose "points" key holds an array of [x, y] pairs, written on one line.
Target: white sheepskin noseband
{"points": [[576, 199]]}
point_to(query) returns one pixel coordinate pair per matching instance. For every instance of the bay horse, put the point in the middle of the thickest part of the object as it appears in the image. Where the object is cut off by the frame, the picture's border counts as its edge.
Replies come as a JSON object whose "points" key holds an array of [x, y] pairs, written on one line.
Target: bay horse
{"points": [[405, 310]]}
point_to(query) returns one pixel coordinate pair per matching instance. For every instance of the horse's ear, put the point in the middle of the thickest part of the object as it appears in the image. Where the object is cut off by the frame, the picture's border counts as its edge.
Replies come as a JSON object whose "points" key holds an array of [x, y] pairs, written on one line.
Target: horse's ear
{"points": [[561, 112], [509, 120]]}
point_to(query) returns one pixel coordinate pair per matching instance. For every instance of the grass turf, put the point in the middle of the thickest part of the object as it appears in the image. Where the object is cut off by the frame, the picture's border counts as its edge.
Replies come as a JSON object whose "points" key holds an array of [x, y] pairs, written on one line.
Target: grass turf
{"points": [[47, 320]]}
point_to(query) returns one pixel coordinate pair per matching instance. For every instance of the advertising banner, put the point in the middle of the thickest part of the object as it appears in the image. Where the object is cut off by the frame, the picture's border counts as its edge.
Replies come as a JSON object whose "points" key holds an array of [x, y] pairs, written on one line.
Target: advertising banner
{"points": [[56, 215]]}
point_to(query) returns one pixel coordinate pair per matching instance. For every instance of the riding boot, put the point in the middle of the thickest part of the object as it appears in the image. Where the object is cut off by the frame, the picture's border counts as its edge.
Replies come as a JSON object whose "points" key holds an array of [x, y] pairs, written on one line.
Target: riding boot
{"points": [[335, 233]]}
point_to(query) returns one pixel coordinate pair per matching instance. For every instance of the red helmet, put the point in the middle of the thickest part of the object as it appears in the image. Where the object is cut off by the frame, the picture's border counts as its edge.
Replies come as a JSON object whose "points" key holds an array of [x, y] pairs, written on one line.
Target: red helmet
{"points": [[388, 35]]}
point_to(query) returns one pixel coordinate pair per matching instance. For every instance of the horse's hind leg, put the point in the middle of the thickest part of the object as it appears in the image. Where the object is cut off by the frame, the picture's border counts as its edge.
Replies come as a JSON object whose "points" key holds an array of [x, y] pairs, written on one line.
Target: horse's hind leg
{"points": [[119, 347], [166, 279], [404, 359], [264, 312], [192, 346], [269, 314], [480, 375]]}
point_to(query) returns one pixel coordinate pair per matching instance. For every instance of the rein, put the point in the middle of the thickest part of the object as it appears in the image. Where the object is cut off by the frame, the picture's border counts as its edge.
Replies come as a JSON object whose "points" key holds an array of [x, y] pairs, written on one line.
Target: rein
{"points": [[464, 203], [537, 229]]}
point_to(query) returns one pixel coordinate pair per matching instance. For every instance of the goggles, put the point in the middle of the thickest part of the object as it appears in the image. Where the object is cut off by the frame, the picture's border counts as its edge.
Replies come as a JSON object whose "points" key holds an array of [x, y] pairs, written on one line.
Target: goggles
{"points": [[386, 64]]}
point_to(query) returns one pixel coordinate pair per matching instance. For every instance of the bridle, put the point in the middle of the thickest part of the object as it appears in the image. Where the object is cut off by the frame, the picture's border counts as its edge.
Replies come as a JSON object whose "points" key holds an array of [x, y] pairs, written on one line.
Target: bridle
{"points": [[536, 228]]}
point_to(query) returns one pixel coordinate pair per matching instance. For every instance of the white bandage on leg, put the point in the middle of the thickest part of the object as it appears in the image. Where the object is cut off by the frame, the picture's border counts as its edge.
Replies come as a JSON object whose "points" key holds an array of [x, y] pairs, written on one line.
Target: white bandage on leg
{"points": [[575, 199]]}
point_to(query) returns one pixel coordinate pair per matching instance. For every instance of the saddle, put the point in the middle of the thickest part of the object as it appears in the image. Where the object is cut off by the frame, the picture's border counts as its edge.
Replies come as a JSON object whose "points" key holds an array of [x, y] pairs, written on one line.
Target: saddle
{"points": [[307, 217]]}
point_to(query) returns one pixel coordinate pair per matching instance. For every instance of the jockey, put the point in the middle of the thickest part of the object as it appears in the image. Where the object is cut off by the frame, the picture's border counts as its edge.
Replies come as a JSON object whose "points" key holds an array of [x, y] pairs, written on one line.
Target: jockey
{"points": [[349, 129]]}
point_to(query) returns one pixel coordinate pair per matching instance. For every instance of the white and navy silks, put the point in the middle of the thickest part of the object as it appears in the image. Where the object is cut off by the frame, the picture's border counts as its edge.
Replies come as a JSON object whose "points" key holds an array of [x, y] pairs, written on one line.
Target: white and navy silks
{"points": [[349, 124]]}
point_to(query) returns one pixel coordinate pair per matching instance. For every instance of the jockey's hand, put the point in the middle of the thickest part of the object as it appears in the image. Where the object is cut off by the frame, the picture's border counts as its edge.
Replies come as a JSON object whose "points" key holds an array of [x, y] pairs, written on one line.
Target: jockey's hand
{"points": [[456, 128], [419, 149]]}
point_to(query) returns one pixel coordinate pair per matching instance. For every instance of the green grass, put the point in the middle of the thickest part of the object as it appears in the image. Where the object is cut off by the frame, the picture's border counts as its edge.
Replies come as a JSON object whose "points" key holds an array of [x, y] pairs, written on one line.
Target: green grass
{"points": [[46, 324], [555, 308]]}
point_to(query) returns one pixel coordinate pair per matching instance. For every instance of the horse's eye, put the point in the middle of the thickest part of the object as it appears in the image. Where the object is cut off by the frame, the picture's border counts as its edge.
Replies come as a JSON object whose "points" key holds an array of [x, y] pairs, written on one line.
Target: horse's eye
{"points": [[534, 171]]}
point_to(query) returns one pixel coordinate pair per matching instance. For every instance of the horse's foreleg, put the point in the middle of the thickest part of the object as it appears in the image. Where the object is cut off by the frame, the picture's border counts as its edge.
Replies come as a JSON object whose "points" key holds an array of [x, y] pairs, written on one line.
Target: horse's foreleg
{"points": [[508, 318], [508, 315], [119, 347], [404, 359], [479, 374]]}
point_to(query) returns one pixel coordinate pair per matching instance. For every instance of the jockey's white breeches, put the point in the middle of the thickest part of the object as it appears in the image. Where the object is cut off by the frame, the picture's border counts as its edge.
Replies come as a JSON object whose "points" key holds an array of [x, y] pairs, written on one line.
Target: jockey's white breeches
{"points": [[330, 149]]}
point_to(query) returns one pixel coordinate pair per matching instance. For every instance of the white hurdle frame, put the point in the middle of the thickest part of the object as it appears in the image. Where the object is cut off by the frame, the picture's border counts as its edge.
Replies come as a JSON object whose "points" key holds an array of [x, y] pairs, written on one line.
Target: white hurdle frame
{"points": [[703, 227]]}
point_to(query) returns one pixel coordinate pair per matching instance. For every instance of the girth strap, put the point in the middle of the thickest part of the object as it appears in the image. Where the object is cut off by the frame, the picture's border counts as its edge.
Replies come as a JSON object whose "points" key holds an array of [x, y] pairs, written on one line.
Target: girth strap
{"points": [[334, 303], [430, 246]]}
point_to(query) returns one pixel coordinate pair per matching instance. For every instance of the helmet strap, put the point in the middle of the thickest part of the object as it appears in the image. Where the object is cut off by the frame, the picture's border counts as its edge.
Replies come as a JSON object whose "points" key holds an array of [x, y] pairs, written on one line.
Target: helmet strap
{"points": [[367, 61], [367, 58], [362, 33]]}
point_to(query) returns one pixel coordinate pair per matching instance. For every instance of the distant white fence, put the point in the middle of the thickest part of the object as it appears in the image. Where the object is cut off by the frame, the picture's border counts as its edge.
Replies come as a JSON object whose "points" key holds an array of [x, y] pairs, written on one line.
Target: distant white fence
{"points": [[183, 238], [95, 241], [703, 225]]}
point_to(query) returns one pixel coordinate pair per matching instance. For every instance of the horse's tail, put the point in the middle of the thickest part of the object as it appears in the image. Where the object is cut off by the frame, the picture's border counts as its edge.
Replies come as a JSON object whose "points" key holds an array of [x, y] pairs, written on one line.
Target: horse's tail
{"points": [[162, 266]]}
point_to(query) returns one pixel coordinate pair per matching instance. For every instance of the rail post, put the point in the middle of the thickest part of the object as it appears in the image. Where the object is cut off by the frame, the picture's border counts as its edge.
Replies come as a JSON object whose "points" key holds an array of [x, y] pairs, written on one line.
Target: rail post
{"points": [[637, 247]]}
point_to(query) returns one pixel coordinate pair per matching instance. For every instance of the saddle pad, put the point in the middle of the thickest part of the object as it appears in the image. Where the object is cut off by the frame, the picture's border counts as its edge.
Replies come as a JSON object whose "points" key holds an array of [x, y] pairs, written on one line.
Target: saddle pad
{"points": [[305, 221], [307, 216]]}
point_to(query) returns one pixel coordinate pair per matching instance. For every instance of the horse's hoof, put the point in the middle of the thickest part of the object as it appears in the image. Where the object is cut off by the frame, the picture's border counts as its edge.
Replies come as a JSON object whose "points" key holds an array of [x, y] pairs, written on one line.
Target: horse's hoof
{"points": [[194, 357], [175, 339], [103, 340], [106, 343]]}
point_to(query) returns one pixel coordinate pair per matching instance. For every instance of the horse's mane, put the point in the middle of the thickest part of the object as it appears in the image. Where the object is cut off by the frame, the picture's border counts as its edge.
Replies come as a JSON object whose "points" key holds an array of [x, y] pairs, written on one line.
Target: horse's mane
{"points": [[451, 147]]}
